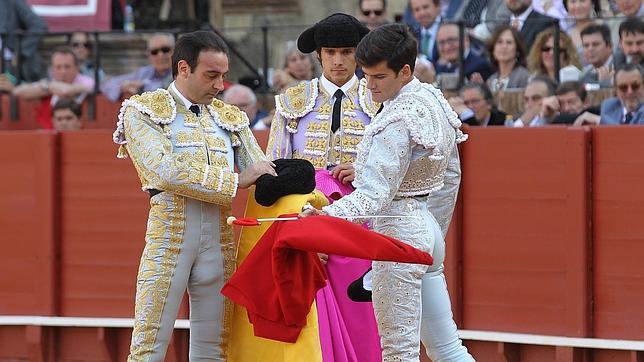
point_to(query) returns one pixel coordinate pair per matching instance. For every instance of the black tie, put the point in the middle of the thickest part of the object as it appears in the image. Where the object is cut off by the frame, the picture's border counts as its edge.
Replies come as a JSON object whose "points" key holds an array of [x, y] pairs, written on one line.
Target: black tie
{"points": [[195, 109], [337, 105], [628, 118], [382, 105]]}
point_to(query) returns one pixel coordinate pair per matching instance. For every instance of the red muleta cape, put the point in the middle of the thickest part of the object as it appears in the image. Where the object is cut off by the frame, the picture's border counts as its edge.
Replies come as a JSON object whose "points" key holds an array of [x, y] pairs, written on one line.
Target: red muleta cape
{"points": [[278, 280]]}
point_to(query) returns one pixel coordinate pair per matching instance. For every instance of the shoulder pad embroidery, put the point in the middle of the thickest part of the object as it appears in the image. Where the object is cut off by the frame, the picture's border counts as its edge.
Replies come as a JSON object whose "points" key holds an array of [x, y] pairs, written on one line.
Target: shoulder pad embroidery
{"points": [[227, 116], [298, 100], [159, 105], [368, 105]]}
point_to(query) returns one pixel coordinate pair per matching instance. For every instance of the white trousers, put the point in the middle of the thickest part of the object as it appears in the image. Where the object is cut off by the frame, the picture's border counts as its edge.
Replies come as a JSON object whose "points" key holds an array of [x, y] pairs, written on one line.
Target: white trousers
{"points": [[182, 251], [410, 301]]}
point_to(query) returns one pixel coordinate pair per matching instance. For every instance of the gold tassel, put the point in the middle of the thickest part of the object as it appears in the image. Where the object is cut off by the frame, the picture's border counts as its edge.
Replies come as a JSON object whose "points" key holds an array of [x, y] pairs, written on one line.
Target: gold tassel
{"points": [[122, 152]]}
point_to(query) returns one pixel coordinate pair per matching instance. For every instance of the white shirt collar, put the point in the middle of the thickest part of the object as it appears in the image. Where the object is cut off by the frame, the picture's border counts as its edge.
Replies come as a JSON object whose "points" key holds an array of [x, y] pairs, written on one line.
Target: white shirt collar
{"points": [[430, 29], [185, 100], [332, 88], [522, 18], [405, 88]]}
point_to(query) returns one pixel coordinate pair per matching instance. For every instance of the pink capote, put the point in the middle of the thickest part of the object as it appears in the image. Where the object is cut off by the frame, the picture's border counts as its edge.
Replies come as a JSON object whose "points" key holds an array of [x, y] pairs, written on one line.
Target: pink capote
{"points": [[348, 329]]}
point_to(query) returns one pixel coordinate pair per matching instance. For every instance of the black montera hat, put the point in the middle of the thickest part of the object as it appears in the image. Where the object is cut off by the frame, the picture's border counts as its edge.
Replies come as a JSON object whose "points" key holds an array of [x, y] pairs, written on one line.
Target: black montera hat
{"points": [[294, 176], [335, 31]]}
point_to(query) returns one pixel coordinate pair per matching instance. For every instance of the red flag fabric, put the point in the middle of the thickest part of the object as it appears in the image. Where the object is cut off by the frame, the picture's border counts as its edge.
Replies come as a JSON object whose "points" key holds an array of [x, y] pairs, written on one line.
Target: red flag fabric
{"points": [[278, 280], [73, 15]]}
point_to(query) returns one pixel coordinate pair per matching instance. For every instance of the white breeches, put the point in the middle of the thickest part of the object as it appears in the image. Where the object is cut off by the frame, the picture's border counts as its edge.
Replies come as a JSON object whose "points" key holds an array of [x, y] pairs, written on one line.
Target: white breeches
{"points": [[410, 301]]}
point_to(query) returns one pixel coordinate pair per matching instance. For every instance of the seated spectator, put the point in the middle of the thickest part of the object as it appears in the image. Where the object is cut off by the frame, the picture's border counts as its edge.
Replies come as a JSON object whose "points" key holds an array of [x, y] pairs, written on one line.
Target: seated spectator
{"points": [[16, 15], [82, 46], [631, 43], [569, 103], [244, 98], [598, 52], [476, 106], [427, 14], [541, 60], [628, 106], [65, 115], [297, 67], [66, 82], [372, 13], [582, 13], [528, 21], [537, 90], [477, 68], [508, 58], [158, 74], [625, 9]]}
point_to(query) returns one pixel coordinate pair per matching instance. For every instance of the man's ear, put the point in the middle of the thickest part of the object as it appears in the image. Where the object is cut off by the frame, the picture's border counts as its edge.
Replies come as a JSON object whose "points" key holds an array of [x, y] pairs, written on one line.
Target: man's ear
{"points": [[183, 69], [406, 71]]}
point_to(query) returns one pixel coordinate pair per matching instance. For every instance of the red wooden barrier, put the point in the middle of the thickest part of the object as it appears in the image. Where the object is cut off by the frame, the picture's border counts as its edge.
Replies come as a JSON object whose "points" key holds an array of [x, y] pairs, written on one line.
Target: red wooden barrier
{"points": [[618, 204], [525, 231], [103, 218], [27, 223]]}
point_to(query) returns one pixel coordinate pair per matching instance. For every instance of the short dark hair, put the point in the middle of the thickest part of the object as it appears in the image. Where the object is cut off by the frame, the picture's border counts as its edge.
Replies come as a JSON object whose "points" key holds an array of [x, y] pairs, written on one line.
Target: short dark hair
{"points": [[550, 84], [392, 43], [483, 89], [629, 67], [602, 29], [631, 26], [65, 103], [190, 45], [572, 86], [384, 4], [65, 50]]}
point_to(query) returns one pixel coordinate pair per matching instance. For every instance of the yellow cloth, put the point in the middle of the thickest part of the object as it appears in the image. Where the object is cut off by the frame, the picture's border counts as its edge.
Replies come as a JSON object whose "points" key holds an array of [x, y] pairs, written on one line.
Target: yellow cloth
{"points": [[244, 346]]}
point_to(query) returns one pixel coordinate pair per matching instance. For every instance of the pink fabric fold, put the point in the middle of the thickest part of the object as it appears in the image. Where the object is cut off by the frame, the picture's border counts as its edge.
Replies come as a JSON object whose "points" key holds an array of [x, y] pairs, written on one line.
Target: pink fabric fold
{"points": [[348, 330]]}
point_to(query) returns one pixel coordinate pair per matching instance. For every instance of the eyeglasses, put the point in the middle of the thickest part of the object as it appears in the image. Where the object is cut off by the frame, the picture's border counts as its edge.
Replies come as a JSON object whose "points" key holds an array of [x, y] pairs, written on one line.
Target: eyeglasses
{"points": [[472, 102], [375, 12], [547, 49], [80, 45], [447, 41], [624, 87], [156, 51]]}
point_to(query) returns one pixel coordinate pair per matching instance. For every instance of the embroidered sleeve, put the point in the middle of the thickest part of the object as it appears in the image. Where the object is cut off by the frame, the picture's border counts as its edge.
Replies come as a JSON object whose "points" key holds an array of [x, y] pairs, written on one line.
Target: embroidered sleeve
{"points": [[279, 140], [380, 176], [441, 202], [248, 151], [160, 167]]}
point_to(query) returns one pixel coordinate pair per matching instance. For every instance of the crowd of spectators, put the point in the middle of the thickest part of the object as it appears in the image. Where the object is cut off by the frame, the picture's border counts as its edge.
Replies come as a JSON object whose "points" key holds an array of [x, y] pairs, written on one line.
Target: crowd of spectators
{"points": [[503, 47]]}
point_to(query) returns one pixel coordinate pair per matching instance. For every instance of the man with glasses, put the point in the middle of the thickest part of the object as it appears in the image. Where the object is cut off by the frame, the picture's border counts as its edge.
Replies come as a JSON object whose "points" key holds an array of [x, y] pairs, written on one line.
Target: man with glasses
{"points": [[158, 74], [628, 106], [372, 13], [477, 68]]}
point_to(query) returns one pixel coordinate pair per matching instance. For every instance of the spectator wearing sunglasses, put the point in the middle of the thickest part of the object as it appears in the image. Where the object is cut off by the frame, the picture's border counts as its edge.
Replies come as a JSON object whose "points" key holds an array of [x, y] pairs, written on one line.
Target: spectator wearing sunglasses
{"points": [[82, 46], [372, 13], [628, 106], [158, 74]]}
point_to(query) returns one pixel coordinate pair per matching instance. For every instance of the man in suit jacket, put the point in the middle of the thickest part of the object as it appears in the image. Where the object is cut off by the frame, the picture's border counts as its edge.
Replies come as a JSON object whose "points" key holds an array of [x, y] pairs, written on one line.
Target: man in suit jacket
{"points": [[528, 21], [448, 60], [628, 106], [476, 106], [427, 14], [17, 15]]}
